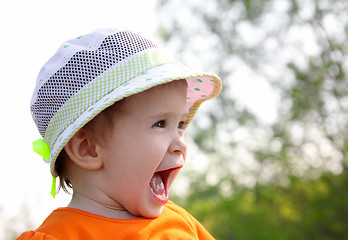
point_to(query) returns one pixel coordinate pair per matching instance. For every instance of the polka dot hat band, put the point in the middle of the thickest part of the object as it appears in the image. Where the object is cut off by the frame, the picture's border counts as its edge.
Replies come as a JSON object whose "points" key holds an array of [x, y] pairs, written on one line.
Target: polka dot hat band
{"points": [[91, 72]]}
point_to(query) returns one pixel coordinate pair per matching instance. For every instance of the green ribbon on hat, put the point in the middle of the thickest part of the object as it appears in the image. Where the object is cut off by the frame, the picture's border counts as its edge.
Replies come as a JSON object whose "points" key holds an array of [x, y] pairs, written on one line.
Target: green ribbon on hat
{"points": [[41, 148], [53, 188]]}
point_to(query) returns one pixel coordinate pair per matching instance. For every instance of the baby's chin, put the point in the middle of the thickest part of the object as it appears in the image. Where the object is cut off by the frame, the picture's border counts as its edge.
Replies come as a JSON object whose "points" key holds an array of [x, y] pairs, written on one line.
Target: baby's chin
{"points": [[150, 212]]}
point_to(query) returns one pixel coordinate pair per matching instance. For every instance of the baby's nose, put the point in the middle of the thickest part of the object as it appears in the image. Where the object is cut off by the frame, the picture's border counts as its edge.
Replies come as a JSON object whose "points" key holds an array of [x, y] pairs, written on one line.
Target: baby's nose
{"points": [[178, 146]]}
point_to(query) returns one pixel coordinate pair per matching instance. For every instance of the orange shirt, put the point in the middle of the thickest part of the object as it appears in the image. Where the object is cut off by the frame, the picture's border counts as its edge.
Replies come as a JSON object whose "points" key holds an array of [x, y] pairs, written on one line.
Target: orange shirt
{"points": [[69, 223]]}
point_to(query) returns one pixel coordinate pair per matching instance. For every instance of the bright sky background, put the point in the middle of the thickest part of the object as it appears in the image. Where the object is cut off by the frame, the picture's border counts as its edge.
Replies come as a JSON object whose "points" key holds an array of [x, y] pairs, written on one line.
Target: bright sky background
{"points": [[31, 32]]}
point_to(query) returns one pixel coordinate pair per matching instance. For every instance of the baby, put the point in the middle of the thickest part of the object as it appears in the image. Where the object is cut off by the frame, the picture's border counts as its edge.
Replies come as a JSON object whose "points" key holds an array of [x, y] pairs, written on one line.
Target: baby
{"points": [[112, 109]]}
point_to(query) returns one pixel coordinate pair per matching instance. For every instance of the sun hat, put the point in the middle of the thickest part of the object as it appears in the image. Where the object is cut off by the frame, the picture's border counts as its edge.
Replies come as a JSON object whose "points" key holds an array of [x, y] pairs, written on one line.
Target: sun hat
{"points": [[91, 72]]}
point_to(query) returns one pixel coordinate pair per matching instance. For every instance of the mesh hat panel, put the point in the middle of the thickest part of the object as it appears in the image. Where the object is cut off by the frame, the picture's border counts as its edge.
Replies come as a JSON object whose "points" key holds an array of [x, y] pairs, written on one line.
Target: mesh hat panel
{"points": [[80, 70]]}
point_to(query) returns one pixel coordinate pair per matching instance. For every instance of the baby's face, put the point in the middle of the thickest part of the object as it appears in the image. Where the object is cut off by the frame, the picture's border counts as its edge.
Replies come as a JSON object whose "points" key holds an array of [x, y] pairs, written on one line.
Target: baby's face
{"points": [[146, 150]]}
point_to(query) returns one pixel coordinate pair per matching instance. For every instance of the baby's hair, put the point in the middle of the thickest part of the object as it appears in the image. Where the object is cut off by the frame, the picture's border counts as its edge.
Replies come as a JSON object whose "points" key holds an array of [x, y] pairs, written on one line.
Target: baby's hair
{"points": [[99, 130]]}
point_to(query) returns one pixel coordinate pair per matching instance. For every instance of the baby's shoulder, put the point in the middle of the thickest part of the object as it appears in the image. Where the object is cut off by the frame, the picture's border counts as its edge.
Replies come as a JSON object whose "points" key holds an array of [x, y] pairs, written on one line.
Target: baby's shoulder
{"points": [[173, 210], [32, 235], [176, 209], [60, 223]]}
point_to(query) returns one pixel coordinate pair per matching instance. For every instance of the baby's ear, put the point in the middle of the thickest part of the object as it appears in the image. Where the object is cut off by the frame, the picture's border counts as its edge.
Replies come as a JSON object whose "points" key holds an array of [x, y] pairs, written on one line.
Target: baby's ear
{"points": [[83, 151]]}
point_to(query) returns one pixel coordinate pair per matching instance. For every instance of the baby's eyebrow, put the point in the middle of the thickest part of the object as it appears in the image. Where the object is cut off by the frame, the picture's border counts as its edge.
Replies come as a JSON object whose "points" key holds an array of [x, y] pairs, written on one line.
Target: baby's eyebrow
{"points": [[165, 115]]}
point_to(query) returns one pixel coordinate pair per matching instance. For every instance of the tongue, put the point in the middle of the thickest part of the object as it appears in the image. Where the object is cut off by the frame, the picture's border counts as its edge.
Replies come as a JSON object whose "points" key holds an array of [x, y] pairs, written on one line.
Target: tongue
{"points": [[157, 185]]}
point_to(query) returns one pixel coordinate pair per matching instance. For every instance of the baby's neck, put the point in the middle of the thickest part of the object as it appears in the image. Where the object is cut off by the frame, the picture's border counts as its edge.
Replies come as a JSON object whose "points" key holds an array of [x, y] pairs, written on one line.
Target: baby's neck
{"points": [[115, 210]]}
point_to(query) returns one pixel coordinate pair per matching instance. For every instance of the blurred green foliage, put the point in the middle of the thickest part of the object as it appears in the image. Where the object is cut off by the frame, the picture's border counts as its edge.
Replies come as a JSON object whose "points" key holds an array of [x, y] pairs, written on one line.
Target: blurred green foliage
{"points": [[305, 209], [286, 178]]}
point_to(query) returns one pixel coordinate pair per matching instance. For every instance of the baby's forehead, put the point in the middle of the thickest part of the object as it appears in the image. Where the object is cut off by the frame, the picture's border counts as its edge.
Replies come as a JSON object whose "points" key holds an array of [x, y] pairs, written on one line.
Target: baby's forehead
{"points": [[122, 105], [180, 83]]}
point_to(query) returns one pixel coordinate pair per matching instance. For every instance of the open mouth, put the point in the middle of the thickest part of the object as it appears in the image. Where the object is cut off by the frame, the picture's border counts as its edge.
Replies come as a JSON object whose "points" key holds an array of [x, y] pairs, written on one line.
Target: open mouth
{"points": [[159, 184]]}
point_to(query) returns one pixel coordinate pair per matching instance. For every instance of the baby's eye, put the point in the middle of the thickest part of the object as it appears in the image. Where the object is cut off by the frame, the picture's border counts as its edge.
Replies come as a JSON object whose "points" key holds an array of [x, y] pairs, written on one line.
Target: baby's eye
{"points": [[181, 124], [160, 124]]}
